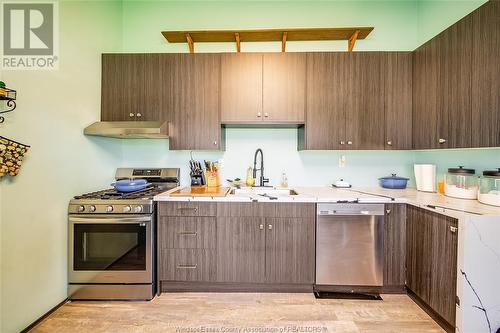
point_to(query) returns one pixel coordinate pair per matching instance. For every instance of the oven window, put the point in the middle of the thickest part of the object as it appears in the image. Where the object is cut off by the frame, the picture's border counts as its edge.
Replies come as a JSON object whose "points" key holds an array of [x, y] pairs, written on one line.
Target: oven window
{"points": [[109, 247]]}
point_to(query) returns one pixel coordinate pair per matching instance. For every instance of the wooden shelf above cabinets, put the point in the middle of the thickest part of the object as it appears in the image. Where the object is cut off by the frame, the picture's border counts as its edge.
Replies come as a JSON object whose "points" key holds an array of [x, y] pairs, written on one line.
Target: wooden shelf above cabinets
{"points": [[268, 35]]}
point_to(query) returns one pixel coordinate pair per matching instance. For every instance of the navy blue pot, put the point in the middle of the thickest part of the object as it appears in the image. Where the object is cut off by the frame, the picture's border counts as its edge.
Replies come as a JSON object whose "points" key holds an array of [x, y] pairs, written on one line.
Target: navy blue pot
{"points": [[394, 182]]}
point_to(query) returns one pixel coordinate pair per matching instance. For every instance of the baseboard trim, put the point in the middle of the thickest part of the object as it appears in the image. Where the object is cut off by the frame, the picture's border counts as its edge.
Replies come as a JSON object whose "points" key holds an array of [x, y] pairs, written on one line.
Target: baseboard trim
{"points": [[45, 315], [433, 314], [180, 286]]}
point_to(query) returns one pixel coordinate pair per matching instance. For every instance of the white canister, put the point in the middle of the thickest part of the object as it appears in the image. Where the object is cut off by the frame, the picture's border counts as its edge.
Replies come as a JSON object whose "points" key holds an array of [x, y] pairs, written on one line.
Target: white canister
{"points": [[425, 177]]}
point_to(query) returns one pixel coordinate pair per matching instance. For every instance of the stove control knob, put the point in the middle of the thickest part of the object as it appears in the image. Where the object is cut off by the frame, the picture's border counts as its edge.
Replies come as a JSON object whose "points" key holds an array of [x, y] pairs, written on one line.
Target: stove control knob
{"points": [[109, 209], [127, 209], [137, 209], [92, 208], [81, 209]]}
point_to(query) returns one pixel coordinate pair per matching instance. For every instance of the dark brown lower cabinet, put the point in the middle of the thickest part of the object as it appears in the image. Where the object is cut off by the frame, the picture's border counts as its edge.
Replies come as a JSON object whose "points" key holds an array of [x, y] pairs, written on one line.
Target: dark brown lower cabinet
{"points": [[395, 246], [432, 261], [241, 249], [243, 246], [290, 250]]}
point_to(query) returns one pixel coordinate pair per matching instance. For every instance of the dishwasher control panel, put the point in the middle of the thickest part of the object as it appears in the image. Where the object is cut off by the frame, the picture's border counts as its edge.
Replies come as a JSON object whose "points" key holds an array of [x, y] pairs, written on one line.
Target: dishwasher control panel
{"points": [[350, 209]]}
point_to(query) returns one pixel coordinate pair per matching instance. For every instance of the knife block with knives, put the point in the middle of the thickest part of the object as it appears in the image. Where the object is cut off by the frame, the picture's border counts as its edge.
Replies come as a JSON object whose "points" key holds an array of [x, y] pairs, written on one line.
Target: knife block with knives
{"points": [[197, 174]]}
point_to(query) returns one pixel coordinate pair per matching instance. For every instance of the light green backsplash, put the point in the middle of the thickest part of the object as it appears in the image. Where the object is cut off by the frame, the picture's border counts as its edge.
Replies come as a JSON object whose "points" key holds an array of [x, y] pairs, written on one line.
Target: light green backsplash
{"points": [[54, 107], [479, 159]]}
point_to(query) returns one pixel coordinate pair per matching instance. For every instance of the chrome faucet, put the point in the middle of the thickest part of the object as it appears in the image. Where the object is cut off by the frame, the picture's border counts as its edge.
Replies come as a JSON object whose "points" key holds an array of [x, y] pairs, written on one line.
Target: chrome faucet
{"points": [[262, 180]]}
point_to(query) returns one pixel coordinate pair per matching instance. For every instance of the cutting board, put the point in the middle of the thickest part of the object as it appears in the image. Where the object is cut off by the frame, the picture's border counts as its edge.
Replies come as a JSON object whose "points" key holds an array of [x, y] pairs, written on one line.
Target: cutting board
{"points": [[201, 191]]}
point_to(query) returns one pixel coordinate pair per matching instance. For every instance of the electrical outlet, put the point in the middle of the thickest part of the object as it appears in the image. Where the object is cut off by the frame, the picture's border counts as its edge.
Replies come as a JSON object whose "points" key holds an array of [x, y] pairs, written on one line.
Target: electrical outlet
{"points": [[342, 161]]}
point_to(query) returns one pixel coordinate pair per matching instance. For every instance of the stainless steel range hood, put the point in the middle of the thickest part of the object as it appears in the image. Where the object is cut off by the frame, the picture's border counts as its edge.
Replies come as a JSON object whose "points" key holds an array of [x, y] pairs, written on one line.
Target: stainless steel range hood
{"points": [[129, 129]]}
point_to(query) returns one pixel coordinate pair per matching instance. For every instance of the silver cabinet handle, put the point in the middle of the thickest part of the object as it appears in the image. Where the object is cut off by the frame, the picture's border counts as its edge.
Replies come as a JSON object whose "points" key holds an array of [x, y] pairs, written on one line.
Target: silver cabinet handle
{"points": [[342, 142], [187, 266], [270, 227], [266, 114], [453, 229], [188, 208], [187, 233], [389, 143], [139, 114], [349, 142], [441, 141], [261, 227], [259, 114], [131, 115], [215, 143], [387, 211]]}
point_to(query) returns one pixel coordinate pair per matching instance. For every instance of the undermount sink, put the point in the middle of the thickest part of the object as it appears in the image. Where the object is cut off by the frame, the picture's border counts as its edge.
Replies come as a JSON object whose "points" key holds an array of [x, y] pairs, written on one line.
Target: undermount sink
{"points": [[267, 191]]}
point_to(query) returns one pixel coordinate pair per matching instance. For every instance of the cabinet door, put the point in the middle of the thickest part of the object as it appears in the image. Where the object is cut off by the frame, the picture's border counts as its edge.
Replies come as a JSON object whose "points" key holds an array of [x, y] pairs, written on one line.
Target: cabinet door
{"points": [[290, 250], [195, 120], [241, 87], [395, 245], [486, 76], [442, 89], [284, 87], [365, 101], [432, 260], [398, 100], [425, 96], [152, 102], [325, 103], [454, 94], [240, 249], [122, 86]]}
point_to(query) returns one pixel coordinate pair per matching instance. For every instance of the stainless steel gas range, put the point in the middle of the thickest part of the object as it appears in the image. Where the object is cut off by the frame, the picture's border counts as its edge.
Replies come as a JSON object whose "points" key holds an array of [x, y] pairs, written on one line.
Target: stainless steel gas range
{"points": [[112, 239]]}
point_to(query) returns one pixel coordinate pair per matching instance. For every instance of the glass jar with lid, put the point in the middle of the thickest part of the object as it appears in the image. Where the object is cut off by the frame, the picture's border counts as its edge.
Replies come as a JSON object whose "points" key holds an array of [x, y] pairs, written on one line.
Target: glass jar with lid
{"points": [[489, 187], [461, 183]]}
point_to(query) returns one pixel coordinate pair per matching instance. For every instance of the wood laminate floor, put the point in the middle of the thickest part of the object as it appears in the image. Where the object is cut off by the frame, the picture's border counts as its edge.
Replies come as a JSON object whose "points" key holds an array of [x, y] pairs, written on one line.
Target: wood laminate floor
{"points": [[241, 312]]}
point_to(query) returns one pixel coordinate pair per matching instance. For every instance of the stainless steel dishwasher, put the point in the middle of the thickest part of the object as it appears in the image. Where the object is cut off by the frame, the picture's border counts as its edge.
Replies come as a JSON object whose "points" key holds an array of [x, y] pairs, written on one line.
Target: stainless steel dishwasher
{"points": [[349, 244]]}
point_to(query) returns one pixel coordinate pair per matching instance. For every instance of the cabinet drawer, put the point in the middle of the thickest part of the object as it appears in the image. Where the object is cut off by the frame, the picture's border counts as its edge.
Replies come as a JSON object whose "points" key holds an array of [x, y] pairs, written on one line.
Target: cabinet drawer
{"points": [[181, 208], [187, 265], [191, 232], [246, 209]]}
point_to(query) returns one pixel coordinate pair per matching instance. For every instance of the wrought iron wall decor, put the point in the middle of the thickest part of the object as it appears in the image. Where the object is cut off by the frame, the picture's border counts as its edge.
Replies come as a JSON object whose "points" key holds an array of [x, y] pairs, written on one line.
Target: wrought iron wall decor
{"points": [[8, 95]]}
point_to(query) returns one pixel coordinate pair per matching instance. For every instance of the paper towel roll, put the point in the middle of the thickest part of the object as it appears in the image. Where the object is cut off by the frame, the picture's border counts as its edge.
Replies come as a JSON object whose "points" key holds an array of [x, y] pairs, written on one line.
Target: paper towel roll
{"points": [[425, 177]]}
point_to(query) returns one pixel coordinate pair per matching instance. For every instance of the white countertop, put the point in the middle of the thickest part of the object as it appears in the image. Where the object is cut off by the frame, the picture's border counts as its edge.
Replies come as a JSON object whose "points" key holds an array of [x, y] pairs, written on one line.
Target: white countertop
{"points": [[325, 194]]}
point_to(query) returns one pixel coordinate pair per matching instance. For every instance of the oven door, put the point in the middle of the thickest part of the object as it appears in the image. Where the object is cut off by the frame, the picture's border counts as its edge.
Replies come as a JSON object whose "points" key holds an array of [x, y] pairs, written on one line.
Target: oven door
{"points": [[110, 249]]}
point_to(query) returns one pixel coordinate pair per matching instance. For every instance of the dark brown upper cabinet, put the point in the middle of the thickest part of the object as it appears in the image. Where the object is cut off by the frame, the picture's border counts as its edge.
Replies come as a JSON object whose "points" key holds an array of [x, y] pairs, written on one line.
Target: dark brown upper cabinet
{"points": [[486, 75], [364, 105], [284, 87], [195, 86], [398, 101], [442, 72], [131, 87], [345, 101], [241, 87], [325, 104]]}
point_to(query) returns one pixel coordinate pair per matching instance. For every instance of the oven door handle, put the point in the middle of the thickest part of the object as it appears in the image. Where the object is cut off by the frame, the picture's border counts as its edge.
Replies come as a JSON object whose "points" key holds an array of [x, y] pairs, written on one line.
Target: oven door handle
{"points": [[116, 220]]}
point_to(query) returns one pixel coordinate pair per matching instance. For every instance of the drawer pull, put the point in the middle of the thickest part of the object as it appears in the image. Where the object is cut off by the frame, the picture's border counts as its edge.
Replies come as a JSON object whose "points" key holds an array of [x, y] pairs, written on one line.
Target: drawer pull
{"points": [[453, 229], [188, 208], [187, 233], [186, 266]]}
